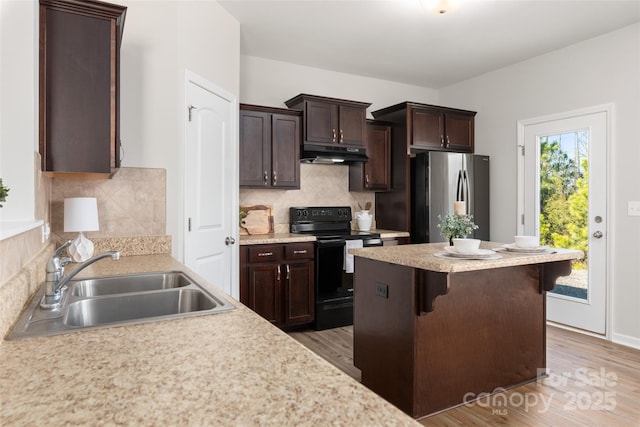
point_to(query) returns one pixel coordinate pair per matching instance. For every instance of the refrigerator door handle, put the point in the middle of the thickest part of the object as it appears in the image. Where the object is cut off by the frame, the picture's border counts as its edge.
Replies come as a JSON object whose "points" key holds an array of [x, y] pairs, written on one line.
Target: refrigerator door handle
{"points": [[466, 195], [459, 188]]}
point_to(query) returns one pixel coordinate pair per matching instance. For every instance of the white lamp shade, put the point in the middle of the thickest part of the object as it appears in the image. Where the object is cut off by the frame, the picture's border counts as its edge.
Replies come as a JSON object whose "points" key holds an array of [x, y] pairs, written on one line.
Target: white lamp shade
{"points": [[81, 214]]}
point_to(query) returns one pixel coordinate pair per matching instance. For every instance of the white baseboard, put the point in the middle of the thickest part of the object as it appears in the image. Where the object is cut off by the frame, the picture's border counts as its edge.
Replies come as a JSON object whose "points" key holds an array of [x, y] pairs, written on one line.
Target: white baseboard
{"points": [[627, 340]]}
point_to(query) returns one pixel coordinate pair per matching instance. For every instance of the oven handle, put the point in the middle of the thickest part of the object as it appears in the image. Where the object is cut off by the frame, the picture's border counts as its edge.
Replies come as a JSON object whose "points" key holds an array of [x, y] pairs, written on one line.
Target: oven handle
{"points": [[330, 242]]}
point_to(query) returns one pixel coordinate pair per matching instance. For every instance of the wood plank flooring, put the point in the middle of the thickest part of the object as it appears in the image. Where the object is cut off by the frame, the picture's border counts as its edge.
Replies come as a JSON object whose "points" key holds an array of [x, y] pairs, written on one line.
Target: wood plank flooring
{"points": [[590, 382]]}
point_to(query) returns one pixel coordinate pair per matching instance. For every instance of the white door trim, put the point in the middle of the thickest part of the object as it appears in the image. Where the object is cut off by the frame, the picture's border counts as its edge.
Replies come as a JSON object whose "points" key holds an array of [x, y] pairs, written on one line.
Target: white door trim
{"points": [[608, 109], [191, 77]]}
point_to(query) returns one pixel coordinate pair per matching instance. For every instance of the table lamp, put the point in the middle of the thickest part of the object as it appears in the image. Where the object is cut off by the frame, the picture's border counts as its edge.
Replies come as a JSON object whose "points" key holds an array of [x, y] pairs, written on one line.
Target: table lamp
{"points": [[81, 214]]}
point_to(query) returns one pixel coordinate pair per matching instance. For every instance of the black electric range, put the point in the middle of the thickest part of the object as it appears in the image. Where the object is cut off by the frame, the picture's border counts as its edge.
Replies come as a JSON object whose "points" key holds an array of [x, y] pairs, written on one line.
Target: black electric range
{"points": [[331, 225]]}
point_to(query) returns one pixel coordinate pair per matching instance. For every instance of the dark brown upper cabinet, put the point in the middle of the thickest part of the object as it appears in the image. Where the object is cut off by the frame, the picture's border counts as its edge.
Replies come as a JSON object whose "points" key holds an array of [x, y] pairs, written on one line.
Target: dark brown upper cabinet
{"points": [[331, 121], [79, 111], [269, 147], [375, 174], [430, 127]]}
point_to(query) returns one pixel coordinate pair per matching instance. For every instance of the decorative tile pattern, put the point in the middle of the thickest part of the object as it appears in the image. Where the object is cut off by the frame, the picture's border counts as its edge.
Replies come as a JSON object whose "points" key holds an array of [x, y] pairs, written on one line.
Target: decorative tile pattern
{"points": [[320, 185], [132, 203]]}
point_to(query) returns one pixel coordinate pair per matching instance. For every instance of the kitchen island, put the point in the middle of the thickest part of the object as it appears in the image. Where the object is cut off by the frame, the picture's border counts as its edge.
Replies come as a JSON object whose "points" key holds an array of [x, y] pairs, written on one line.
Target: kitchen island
{"points": [[227, 369], [431, 333]]}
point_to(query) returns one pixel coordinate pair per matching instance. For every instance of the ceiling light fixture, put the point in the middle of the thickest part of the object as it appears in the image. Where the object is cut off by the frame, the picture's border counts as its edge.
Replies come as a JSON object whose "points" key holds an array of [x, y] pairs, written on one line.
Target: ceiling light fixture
{"points": [[440, 7]]}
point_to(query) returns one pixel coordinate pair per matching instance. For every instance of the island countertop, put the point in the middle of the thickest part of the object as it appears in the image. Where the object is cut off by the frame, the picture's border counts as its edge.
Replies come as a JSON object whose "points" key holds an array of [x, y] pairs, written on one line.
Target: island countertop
{"points": [[423, 256], [231, 368]]}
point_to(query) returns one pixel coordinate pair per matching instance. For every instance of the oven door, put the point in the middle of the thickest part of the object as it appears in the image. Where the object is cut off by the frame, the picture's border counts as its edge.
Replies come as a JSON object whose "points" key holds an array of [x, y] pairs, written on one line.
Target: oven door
{"points": [[330, 270], [334, 294]]}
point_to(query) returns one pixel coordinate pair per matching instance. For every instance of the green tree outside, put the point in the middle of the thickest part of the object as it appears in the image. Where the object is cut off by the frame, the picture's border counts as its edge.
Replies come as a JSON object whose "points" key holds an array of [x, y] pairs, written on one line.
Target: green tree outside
{"points": [[564, 191]]}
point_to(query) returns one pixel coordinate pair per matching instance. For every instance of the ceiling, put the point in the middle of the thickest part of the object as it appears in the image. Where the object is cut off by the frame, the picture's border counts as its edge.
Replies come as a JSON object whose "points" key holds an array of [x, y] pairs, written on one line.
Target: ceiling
{"points": [[401, 40]]}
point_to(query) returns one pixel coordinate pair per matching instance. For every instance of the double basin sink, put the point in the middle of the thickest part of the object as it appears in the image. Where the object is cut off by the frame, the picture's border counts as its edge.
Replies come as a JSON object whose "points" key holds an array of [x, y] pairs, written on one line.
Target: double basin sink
{"points": [[119, 300]]}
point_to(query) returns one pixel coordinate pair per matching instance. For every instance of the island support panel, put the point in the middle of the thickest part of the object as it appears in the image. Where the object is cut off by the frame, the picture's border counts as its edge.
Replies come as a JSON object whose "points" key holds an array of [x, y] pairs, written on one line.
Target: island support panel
{"points": [[427, 341]]}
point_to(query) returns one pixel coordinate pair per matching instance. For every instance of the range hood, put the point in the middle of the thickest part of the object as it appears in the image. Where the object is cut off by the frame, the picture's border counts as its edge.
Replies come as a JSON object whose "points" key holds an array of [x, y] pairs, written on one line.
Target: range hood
{"points": [[329, 155]]}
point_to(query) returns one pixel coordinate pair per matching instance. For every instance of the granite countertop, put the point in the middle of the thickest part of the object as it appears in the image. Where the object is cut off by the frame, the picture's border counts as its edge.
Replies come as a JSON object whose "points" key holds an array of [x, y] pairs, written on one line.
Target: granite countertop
{"points": [[260, 239], [422, 256], [231, 368]]}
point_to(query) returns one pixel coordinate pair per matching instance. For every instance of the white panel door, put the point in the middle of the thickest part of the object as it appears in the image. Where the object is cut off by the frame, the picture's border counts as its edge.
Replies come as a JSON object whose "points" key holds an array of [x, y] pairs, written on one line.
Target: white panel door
{"points": [[211, 183], [563, 200]]}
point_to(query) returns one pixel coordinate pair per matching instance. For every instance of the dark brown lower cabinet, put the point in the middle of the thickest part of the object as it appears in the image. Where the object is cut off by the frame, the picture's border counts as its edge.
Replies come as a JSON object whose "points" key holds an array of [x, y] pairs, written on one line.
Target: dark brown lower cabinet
{"points": [[277, 282]]}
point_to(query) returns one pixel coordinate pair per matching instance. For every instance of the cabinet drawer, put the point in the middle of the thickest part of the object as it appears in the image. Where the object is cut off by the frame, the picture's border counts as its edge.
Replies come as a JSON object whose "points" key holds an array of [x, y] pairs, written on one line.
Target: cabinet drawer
{"points": [[265, 253], [299, 251]]}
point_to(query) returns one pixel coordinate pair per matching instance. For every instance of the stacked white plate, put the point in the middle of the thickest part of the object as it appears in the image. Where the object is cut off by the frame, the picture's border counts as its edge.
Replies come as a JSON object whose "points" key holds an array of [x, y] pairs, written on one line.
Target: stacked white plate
{"points": [[511, 247], [451, 251]]}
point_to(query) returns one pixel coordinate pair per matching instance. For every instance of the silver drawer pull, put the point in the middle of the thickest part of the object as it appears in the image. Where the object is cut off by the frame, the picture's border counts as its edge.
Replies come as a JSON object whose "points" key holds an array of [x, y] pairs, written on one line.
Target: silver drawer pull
{"points": [[304, 251], [265, 254]]}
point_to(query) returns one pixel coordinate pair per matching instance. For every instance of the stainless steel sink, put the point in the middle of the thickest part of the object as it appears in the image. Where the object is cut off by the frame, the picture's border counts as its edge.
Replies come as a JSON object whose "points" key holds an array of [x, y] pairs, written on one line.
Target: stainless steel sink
{"points": [[126, 284], [119, 300], [99, 311]]}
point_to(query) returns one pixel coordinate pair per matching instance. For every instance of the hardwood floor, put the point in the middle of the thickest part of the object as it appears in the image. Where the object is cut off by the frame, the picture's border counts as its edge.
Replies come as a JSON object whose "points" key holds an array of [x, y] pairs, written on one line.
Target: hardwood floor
{"points": [[590, 382]]}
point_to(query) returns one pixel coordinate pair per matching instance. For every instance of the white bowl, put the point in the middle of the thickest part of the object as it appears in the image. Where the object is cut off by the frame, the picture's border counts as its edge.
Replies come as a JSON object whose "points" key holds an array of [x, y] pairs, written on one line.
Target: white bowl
{"points": [[466, 246], [527, 241]]}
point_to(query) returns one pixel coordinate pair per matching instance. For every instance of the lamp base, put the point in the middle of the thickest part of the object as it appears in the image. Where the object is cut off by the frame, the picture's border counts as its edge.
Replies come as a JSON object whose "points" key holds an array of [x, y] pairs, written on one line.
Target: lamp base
{"points": [[81, 249]]}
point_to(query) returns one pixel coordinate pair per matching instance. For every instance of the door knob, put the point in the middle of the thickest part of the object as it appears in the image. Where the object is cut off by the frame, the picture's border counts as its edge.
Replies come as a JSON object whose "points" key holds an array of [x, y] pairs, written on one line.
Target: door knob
{"points": [[229, 240], [598, 234]]}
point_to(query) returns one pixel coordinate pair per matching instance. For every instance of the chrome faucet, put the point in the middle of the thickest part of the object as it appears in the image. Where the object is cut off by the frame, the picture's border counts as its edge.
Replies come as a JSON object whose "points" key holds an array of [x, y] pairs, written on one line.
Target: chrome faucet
{"points": [[56, 281]]}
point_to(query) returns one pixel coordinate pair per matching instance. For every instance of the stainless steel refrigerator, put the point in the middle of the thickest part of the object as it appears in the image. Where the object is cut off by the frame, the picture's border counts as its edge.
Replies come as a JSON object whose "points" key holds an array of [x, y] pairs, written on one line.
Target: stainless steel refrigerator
{"points": [[438, 180]]}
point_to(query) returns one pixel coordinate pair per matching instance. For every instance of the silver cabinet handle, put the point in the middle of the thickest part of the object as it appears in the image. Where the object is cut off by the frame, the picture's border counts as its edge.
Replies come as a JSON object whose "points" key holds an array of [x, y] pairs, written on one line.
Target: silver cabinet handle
{"points": [[598, 234], [333, 135], [275, 177], [265, 254], [441, 140], [278, 274], [266, 178], [288, 271], [304, 251], [229, 240], [341, 136]]}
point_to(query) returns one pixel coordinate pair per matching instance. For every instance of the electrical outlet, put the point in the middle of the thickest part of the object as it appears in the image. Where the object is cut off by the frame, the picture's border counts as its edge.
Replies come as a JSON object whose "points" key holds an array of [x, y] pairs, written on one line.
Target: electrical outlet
{"points": [[633, 208], [46, 232], [382, 290]]}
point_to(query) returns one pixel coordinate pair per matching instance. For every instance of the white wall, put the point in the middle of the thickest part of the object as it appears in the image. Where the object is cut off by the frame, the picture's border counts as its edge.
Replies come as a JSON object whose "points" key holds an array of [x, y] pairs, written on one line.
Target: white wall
{"points": [[269, 82], [161, 40], [602, 70], [18, 106]]}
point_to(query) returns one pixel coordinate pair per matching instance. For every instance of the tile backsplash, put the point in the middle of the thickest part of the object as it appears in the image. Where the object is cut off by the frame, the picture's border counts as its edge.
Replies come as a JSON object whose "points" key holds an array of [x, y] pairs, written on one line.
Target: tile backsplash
{"points": [[132, 203], [320, 185]]}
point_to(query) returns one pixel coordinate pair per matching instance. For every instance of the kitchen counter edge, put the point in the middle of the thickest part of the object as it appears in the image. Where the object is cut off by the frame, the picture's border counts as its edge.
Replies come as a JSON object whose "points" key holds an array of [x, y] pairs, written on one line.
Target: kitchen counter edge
{"points": [[422, 256], [274, 238]]}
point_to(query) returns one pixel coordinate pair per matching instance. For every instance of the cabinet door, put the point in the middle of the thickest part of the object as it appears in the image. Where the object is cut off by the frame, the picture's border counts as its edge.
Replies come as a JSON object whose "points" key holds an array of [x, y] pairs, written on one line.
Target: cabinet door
{"points": [[321, 122], [285, 146], [352, 125], [265, 291], [427, 129], [79, 87], [374, 174], [299, 298], [255, 149], [459, 130], [377, 171]]}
